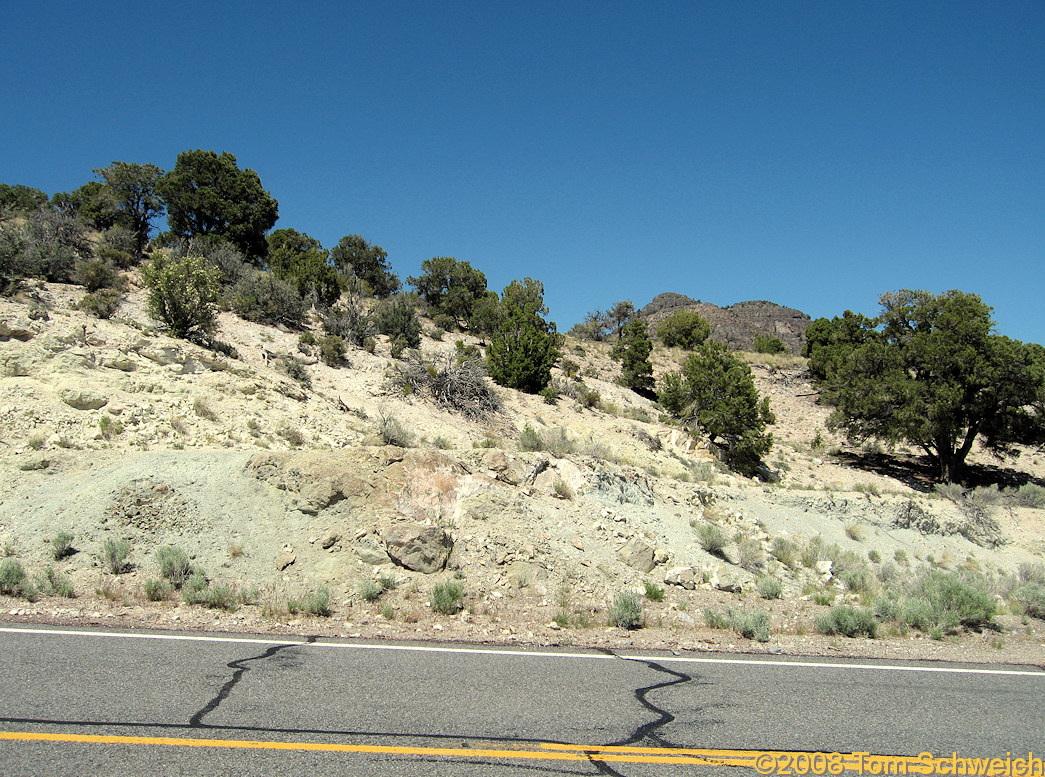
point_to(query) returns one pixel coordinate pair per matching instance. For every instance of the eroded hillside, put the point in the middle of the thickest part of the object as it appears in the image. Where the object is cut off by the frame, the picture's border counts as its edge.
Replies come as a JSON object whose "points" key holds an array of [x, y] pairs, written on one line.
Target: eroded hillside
{"points": [[280, 486]]}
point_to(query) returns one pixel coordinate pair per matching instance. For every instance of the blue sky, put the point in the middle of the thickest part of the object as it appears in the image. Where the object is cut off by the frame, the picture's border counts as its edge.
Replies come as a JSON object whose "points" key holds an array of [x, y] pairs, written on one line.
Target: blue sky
{"points": [[812, 153]]}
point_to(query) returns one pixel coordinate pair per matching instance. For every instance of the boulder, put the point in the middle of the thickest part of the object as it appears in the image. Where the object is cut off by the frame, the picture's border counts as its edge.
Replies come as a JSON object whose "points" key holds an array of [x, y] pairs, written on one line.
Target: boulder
{"points": [[81, 399], [330, 539], [369, 552], [284, 560], [638, 554], [730, 581], [418, 547], [15, 330], [685, 577]]}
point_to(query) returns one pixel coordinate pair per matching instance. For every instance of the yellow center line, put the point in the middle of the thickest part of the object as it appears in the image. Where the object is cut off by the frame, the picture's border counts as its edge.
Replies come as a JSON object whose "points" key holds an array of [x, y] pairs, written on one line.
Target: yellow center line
{"points": [[633, 755], [764, 761]]}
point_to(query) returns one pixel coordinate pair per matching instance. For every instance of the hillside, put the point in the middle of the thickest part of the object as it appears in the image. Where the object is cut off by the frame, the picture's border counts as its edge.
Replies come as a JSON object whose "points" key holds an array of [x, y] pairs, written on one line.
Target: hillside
{"points": [[736, 325], [277, 487]]}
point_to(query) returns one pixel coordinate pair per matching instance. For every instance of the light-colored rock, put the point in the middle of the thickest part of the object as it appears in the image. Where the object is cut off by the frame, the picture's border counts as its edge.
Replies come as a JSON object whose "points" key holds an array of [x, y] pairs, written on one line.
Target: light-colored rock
{"points": [[329, 540], [284, 560], [638, 554], [731, 553], [14, 329], [730, 581], [418, 547], [369, 552], [83, 399], [685, 577]]}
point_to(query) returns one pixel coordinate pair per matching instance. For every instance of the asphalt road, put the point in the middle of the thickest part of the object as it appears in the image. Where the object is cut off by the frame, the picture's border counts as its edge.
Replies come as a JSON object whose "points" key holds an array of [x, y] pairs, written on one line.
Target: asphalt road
{"points": [[101, 703]]}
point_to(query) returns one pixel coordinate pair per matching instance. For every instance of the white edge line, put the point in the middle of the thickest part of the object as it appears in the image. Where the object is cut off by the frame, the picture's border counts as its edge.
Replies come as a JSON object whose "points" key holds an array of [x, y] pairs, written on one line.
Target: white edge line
{"points": [[754, 662]]}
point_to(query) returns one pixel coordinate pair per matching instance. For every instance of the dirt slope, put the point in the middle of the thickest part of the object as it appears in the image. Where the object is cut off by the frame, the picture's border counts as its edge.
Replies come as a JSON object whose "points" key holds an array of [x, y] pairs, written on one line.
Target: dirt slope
{"points": [[113, 431]]}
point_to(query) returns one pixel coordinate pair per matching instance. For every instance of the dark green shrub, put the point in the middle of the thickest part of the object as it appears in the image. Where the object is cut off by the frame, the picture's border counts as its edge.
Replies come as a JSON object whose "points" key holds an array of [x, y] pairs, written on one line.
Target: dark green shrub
{"points": [[523, 346], [445, 322], [767, 344], [101, 304], [266, 299], [46, 245], [396, 317], [182, 293], [95, 274], [632, 350], [684, 328], [654, 592], [450, 287], [715, 393], [332, 350], [302, 262]]}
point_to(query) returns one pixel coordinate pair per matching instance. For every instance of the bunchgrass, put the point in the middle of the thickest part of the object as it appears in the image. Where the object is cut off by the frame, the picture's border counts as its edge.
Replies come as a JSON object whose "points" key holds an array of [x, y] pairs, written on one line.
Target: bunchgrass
{"points": [[750, 624], [653, 591], [446, 597], [847, 621], [62, 545], [712, 538], [312, 603], [626, 610], [770, 588], [174, 564], [369, 590], [114, 555]]}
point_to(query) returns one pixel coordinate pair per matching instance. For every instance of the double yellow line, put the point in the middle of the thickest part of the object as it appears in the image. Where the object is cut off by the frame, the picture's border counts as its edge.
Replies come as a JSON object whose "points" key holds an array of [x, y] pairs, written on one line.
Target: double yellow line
{"points": [[547, 751]]}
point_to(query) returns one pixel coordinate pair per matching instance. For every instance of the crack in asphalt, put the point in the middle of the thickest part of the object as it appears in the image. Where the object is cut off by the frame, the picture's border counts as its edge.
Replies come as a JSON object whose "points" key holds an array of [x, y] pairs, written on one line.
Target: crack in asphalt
{"points": [[196, 721], [647, 731], [644, 732]]}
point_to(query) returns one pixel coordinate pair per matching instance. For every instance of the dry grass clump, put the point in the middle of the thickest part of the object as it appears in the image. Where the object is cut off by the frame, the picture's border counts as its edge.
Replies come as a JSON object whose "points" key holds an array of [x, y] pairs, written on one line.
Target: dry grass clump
{"points": [[456, 384]]}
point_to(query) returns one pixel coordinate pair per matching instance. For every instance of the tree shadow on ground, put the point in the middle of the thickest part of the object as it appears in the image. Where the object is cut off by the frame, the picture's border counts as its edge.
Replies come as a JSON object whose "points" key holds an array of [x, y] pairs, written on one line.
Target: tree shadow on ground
{"points": [[913, 471], [919, 473]]}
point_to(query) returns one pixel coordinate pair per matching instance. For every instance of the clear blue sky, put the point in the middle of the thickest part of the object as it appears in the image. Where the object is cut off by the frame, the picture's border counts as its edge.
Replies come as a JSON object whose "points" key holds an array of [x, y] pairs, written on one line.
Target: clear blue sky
{"points": [[812, 153]]}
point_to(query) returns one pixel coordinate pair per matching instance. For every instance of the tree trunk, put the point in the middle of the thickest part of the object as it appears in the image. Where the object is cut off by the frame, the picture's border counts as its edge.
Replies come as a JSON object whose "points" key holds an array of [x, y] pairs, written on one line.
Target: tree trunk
{"points": [[949, 462]]}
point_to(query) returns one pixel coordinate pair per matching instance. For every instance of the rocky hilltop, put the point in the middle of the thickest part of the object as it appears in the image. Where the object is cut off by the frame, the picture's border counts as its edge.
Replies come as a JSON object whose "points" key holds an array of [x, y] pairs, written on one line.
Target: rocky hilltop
{"points": [[736, 325]]}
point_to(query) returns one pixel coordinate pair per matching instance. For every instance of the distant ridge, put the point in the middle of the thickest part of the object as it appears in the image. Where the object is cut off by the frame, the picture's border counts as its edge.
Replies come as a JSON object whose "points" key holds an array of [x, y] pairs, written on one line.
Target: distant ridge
{"points": [[737, 325]]}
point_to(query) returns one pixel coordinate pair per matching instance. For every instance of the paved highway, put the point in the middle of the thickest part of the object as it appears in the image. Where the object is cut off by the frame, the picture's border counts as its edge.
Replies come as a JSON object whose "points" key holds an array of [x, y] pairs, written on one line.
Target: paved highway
{"points": [[147, 703]]}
